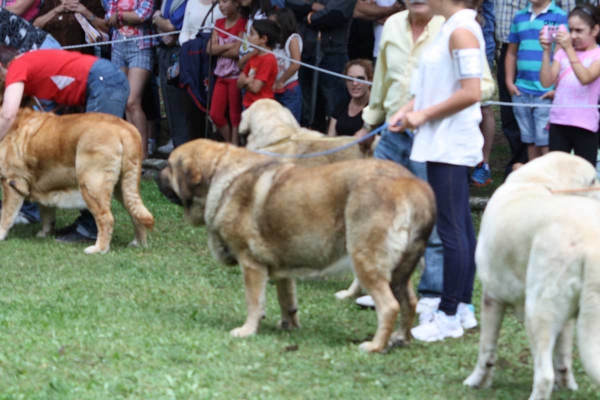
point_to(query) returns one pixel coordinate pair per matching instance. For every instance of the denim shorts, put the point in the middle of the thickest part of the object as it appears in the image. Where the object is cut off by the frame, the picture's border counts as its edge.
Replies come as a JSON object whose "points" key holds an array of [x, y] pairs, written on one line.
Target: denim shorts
{"points": [[533, 121], [107, 89], [129, 55]]}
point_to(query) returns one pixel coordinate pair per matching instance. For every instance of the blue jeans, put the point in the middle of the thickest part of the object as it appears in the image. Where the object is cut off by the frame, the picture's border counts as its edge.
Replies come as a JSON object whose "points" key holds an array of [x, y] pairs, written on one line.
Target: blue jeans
{"points": [[396, 147], [330, 90], [292, 100], [50, 43], [450, 184], [107, 92], [487, 9]]}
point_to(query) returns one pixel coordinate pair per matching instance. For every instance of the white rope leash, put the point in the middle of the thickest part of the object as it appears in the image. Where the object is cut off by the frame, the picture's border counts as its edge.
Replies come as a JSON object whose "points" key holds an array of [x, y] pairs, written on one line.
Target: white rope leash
{"points": [[313, 67]]}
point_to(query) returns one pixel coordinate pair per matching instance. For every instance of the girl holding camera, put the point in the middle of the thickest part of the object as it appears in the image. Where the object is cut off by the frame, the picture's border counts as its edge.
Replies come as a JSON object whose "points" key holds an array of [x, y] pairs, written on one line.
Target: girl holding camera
{"points": [[575, 70]]}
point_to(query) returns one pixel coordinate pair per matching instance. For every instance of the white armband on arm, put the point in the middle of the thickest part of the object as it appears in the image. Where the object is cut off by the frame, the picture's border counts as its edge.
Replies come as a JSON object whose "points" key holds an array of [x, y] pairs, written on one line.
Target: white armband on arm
{"points": [[467, 63]]}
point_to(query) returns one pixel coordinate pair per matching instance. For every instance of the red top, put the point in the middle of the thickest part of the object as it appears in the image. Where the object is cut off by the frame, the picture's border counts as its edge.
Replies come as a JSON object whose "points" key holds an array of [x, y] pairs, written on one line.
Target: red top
{"points": [[236, 29], [57, 75], [266, 69]]}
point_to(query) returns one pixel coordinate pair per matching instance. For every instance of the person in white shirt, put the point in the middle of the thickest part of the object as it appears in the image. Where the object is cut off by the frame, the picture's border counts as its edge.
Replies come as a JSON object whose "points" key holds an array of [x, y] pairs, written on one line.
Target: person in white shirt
{"points": [[445, 115]]}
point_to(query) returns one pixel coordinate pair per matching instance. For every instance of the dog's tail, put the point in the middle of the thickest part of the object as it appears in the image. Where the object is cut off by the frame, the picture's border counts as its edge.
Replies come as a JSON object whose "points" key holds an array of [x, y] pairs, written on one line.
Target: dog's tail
{"points": [[131, 174], [588, 323]]}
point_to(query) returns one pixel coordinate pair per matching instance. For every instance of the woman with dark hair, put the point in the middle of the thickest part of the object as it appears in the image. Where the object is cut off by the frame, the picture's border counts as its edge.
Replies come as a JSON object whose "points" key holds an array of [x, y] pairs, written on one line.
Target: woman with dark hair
{"points": [[445, 115], [346, 119]]}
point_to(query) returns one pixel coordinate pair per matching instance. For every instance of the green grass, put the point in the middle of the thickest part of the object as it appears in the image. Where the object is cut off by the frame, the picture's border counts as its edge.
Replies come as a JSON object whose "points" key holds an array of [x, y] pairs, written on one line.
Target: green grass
{"points": [[153, 324]]}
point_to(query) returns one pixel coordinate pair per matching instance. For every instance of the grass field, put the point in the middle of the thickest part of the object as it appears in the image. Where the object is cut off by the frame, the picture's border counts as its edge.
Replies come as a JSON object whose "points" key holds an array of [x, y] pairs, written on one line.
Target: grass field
{"points": [[153, 324]]}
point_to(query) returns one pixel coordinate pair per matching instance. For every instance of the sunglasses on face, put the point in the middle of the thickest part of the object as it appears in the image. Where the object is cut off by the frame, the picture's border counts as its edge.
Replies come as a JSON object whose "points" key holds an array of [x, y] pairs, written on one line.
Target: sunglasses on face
{"points": [[361, 77]]}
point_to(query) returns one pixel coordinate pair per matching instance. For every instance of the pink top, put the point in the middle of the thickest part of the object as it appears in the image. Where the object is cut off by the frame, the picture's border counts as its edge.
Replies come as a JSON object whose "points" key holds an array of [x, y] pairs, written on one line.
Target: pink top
{"points": [[569, 91], [228, 67]]}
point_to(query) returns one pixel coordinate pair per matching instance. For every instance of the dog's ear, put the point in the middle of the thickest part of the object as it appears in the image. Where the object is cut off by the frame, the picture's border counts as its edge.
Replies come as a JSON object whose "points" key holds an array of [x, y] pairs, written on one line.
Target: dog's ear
{"points": [[188, 180], [244, 127]]}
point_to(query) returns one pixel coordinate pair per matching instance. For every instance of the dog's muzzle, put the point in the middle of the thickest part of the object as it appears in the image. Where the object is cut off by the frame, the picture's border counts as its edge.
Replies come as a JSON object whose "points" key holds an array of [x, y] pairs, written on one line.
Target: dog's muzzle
{"points": [[162, 181]]}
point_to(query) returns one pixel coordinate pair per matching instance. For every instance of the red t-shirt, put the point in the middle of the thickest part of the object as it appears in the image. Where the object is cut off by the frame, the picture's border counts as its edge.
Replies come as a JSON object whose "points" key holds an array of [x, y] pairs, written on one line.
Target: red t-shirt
{"points": [[57, 75], [236, 29], [266, 69]]}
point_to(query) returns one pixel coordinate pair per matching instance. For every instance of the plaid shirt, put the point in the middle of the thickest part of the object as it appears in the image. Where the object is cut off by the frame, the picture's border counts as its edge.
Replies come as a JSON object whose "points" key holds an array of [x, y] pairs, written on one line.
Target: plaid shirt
{"points": [[505, 13], [144, 10]]}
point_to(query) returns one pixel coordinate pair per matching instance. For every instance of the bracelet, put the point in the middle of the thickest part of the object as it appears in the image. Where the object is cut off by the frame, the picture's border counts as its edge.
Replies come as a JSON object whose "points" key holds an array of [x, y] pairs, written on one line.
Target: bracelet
{"points": [[91, 18]]}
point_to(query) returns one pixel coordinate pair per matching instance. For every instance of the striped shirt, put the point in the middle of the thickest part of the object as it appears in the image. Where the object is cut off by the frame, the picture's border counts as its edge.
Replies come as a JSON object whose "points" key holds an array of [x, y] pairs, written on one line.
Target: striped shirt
{"points": [[505, 11], [144, 10], [525, 31]]}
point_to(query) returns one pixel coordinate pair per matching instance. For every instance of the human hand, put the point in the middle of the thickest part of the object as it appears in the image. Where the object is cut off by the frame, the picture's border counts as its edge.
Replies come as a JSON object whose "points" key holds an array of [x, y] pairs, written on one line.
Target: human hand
{"points": [[112, 21], [278, 86], [395, 124], [544, 42], [415, 119], [169, 40], [317, 6], [365, 145], [512, 89], [59, 9], [252, 73], [548, 95], [563, 39]]}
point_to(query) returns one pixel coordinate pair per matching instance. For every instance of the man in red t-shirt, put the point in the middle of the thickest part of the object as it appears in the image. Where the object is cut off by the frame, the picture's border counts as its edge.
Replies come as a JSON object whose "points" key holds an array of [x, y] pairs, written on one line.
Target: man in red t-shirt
{"points": [[68, 78], [260, 72]]}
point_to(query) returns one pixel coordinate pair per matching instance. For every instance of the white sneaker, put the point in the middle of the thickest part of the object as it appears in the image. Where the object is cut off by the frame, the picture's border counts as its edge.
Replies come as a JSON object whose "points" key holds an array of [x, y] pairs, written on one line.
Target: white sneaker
{"points": [[167, 148], [426, 307], [441, 327], [366, 302], [21, 220], [466, 313]]}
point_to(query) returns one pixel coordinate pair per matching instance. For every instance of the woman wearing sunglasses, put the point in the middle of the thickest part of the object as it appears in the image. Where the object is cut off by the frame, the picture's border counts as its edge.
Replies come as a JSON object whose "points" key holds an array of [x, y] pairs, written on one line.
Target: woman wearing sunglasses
{"points": [[346, 119]]}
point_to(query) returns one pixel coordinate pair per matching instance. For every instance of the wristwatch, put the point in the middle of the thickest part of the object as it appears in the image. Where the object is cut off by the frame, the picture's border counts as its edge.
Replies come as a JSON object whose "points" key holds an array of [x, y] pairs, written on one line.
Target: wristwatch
{"points": [[91, 17]]}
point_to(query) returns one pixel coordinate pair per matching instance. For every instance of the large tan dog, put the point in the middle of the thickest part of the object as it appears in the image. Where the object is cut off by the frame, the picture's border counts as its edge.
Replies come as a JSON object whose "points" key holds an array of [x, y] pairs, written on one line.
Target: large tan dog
{"points": [[272, 127], [73, 161], [538, 252], [280, 220]]}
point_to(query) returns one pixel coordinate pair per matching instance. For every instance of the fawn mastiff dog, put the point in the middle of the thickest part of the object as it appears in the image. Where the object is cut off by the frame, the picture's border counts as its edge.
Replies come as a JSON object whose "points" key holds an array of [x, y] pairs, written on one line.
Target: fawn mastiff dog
{"points": [[270, 126], [538, 252], [279, 220], [73, 161]]}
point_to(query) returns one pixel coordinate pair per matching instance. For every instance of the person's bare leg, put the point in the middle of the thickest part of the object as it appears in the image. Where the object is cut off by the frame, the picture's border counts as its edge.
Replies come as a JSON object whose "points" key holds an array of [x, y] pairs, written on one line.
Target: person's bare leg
{"points": [[235, 137], [138, 78], [488, 128], [533, 151], [225, 131]]}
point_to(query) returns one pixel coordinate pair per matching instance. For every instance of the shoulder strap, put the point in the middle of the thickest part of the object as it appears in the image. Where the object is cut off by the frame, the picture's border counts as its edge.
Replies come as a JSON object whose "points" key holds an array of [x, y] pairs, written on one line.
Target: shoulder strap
{"points": [[214, 4]]}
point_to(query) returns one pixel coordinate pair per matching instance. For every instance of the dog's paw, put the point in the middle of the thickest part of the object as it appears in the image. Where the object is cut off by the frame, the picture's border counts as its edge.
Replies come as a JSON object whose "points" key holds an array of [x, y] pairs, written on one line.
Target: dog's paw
{"points": [[242, 332], [478, 380], [344, 295], [565, 380], [43, 234], [288, 325], [95, 250], [370, 347], [134, 243], [3, 235], [397, 339]]}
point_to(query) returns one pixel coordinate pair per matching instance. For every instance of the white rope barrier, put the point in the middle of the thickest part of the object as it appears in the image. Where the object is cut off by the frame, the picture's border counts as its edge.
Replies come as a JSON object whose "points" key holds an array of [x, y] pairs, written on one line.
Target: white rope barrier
{"points": [[316, 68]]}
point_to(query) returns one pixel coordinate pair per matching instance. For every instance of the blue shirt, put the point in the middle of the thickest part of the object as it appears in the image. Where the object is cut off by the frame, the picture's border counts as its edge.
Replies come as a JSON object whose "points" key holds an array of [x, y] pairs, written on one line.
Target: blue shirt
{"points": [[525, 32], [176, 17]]}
